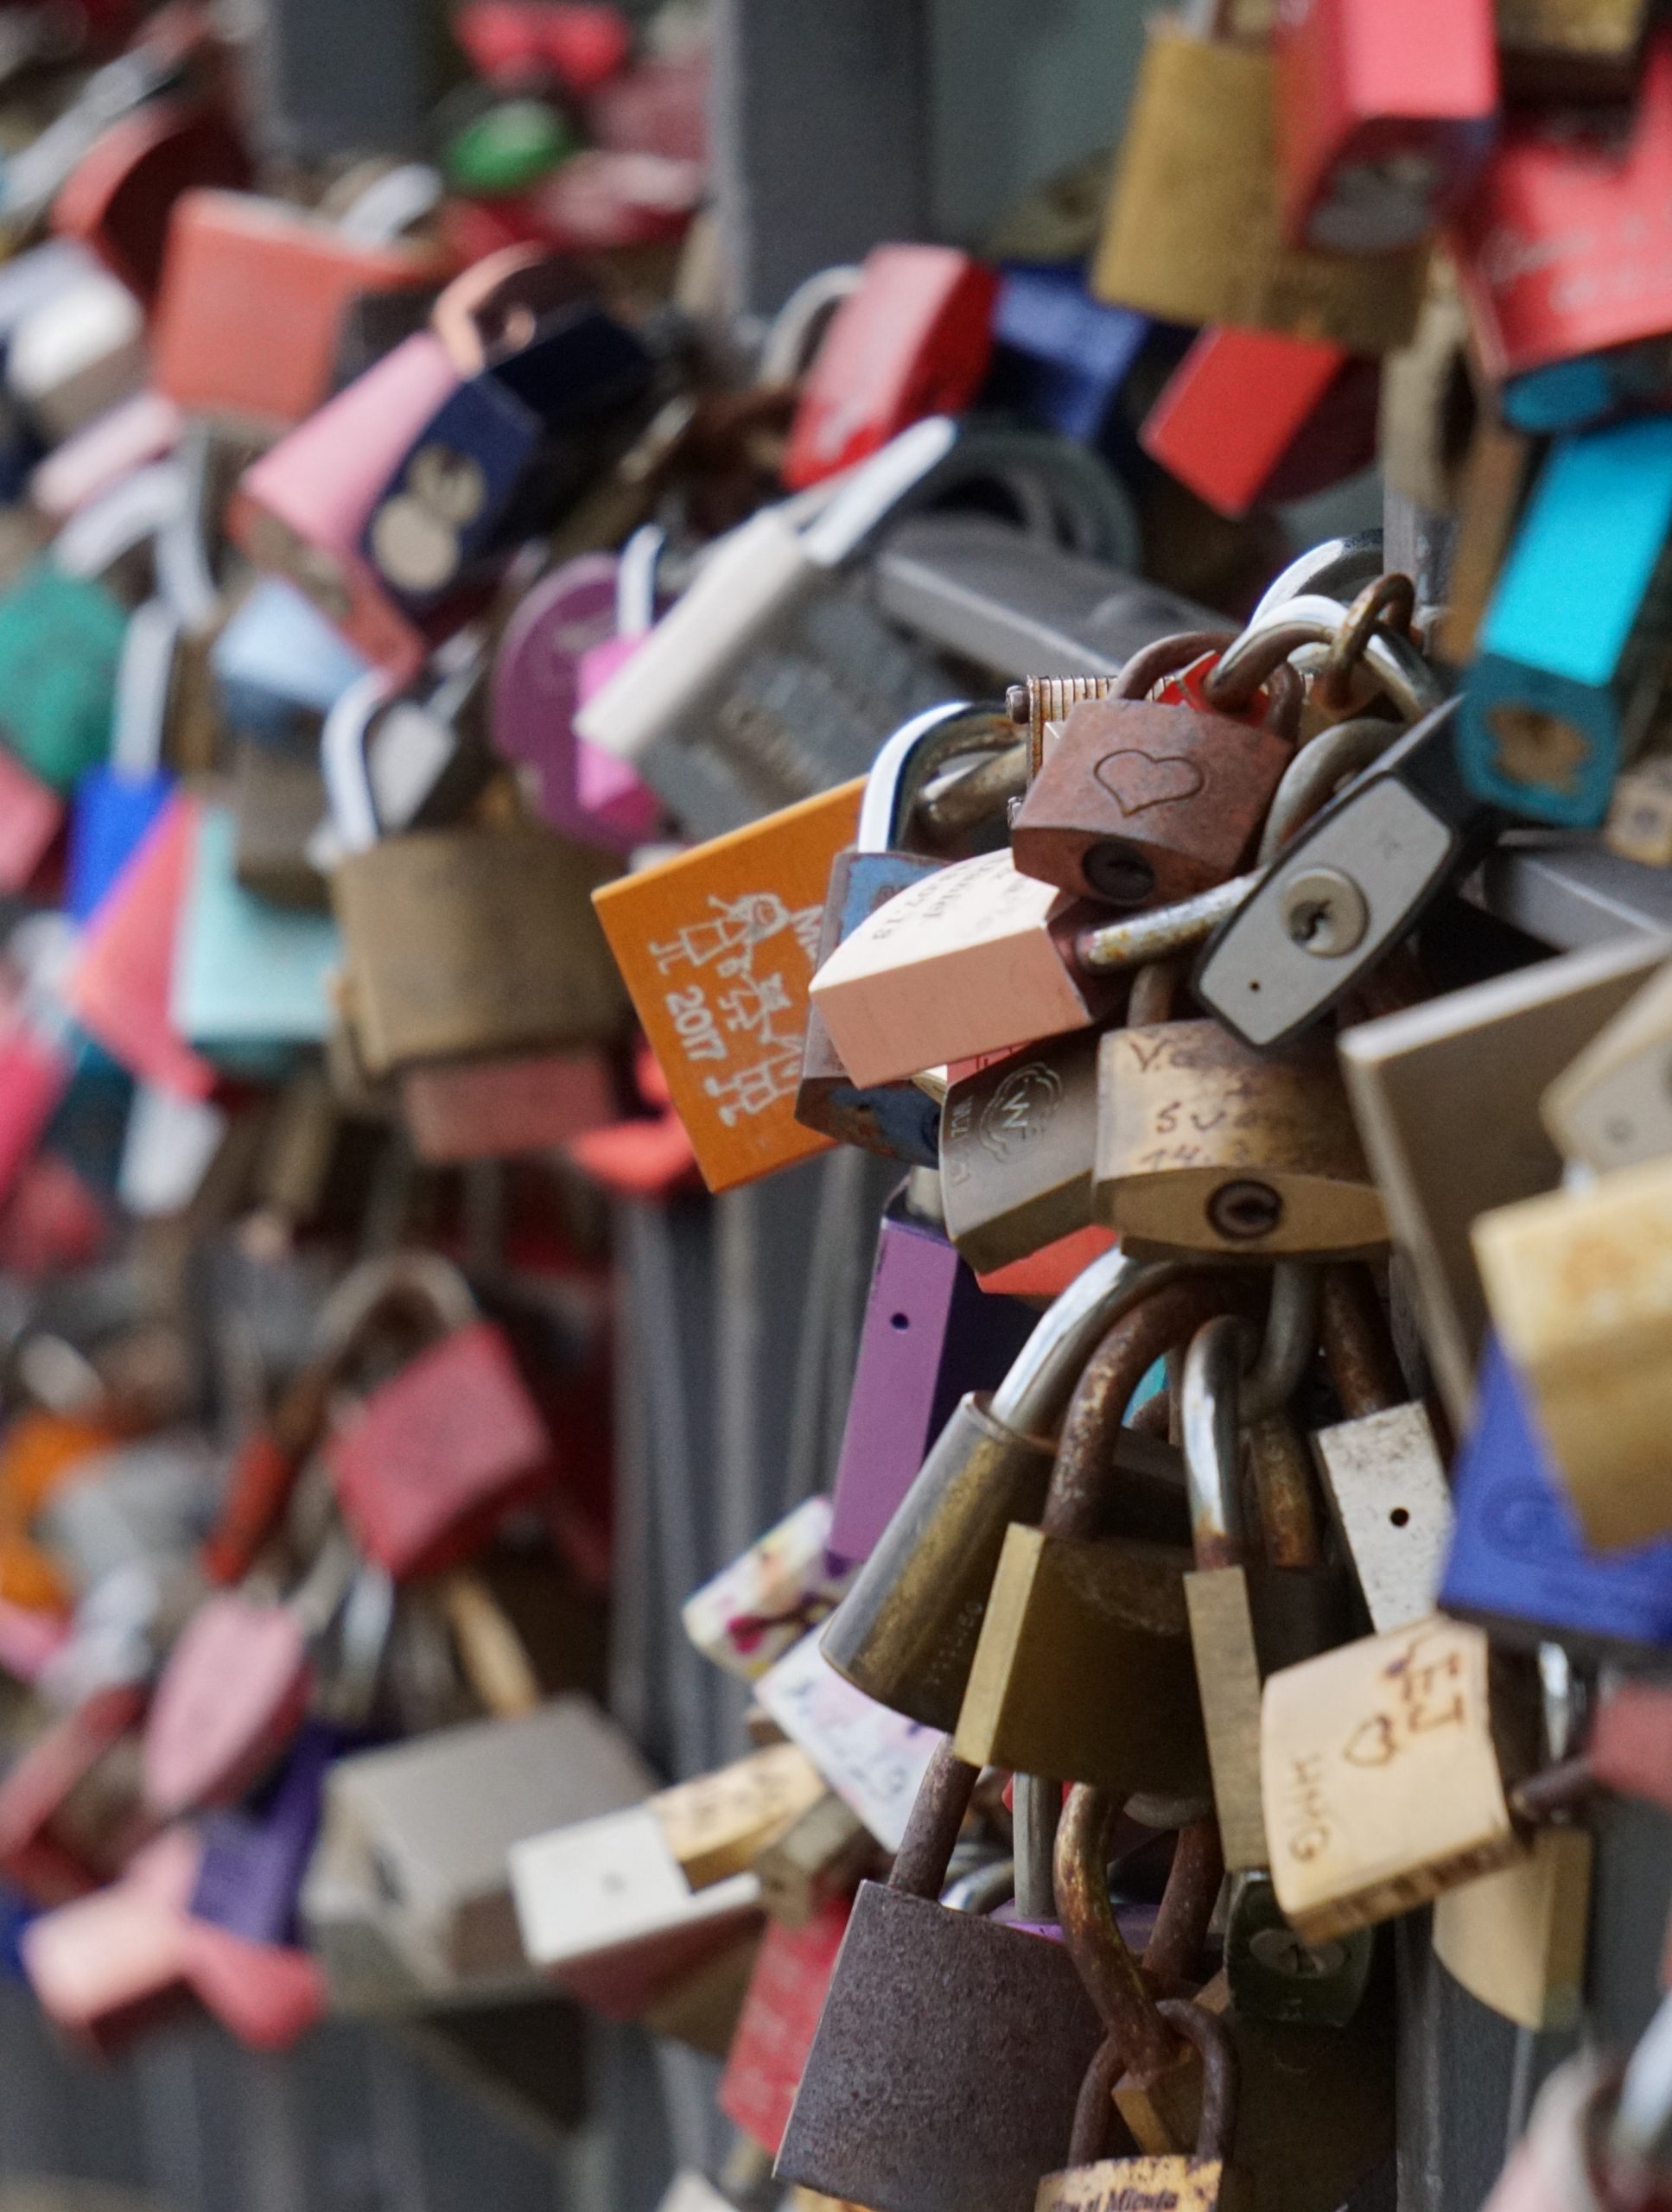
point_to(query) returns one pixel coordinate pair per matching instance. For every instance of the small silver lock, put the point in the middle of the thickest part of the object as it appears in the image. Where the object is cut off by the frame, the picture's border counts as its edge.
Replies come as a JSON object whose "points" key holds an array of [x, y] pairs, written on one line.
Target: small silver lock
{"points": [[1323, 912]]}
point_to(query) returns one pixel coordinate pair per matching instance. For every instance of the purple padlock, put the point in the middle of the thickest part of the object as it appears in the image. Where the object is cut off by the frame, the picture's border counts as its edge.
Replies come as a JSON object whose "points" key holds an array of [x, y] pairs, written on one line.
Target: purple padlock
{"points": [[250, 1874], [930, 1333], [537, 688]]}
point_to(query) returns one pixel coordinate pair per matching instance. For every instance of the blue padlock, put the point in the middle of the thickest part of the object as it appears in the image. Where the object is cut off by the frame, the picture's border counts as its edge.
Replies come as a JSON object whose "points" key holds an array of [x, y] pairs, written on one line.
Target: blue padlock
{"points": [[1568, 670], [115, 804], [1060, 356], [279, 667], [1518, 1564], [1589, 389]]}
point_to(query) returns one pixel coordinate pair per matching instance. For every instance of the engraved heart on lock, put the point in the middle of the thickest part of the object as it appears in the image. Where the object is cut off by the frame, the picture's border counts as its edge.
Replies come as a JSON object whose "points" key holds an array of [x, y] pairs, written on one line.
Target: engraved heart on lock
{"points": [[1137, 781]]}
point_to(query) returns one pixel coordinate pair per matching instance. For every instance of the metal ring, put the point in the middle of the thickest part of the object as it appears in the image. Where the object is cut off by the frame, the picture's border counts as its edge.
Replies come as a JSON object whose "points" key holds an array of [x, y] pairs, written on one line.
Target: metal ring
{"points": [[1398, 667], [1392, 595]]}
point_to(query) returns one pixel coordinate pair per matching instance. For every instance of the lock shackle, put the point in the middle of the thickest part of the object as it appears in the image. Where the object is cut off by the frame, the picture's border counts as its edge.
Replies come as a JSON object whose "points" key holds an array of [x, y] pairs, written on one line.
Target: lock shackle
{"points": [[1391, 601], [1211, 1424], [492, 308], [1113, 1979], [1174, 1954], [1357, 1349], [345, 763], [1153, 990], [1337, 568], [636, 569], [1288, 1341], [1062, 494], [420, 1281], [797, 330], [1110, 948], [144, 675], [1318, 771], [1164, 656], [1220, 2080], [978, 794], [931, 1828], [910, 758], [1093, 2108], [1283, 1484], [1080, 1479], [1035, 1394], [1396, 664]]}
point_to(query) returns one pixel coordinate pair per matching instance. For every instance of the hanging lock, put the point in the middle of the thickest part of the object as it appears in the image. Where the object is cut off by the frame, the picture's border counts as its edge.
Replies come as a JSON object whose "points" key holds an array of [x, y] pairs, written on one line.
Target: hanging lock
{"points": [[897, 1120]]}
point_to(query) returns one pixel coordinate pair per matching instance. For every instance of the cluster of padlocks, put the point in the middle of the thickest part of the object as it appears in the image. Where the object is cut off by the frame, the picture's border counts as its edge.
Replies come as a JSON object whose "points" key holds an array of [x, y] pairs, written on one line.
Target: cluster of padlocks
{"points": [[434, 636]]}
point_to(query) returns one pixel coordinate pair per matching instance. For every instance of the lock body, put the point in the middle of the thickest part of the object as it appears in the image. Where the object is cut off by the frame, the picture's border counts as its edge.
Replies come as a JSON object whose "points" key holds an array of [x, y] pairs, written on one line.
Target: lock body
{"points": [[1202, 1145], [1382, 125], [249, 976], [1139, 804], [1062, 358], [1568, 671], [1017, 1143], [61, 646], [1386, 1485], [753, 1611], [1517, 1940], [497, 1109]]}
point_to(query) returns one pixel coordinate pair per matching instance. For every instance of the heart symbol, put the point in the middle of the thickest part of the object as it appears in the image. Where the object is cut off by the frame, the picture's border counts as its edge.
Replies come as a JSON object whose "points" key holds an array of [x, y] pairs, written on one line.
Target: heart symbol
{"points": [[1136, 781]]}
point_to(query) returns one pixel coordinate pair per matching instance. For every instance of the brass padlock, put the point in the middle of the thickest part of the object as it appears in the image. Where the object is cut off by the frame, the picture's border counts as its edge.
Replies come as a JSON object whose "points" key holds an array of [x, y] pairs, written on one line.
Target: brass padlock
{"points": [[1065, 1609], [468, 941], [906, 1631], [1206, 1146]]}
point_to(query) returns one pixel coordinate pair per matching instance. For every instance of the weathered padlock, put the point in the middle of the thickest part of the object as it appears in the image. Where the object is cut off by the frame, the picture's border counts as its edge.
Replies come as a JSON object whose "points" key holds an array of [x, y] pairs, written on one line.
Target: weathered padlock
{"points": [[1251, 415], [867, 2124], [1566, 681], [1203, 1146], [473, 940], [1276, 1977], [1202, 2180], [1381, 1777], [1017, 1143], [1518, 1563], [1374, 146], [715, 1824], [906, 1631], [1142, 804], [930, 1334], [1350, 887], [1065, 1608], [1194, 232]]}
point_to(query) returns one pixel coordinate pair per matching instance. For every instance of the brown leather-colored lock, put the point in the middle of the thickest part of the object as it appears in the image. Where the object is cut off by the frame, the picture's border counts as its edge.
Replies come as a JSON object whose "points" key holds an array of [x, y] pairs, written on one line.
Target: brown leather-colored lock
{"points": [[950, 2050], [1206, 1146], [464, 942], [1140, 803], [1067, 1608]]}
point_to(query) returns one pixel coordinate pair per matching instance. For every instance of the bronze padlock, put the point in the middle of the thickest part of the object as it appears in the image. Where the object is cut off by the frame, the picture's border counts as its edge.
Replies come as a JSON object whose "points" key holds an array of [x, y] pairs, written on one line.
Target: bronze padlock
{"points": [[1140, 804], [1206, 1146], [474, 940]]}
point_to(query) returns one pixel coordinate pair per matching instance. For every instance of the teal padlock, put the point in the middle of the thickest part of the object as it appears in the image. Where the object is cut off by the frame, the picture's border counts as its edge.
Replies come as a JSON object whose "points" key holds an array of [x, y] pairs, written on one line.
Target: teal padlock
{"points": [[251, 980], [60, 642], [1572, 650]]}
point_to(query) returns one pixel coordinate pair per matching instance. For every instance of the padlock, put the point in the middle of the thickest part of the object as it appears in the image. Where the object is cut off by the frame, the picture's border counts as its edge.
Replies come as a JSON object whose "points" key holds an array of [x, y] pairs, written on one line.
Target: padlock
{"points": [[972, 959], [1518, 1562], [747, 1616], [1565, 684], [821, 1857], [65, 1803], [898, 1120], [1139, 804], [1517, 1939], [1204, 1146], [1203, 2180], [60, 642], [868, 2120], [442, 1448], [475, 940], [1381, 1777], [1275, 1977], [1387, 1493], [498, 1109], [1351, 884], [1549, 49], [929, 1334], [715, 1824], [117, 803], [743, 912], [872, 1758], [250, 978], [1017, 1143], [913, 339], [1066, 1608], [1610, 1106], [1638, 824], [248, 302], [300, 510], [1247, 1617], [1194, 231], [1373, 149], [1574, 1289], [249, 1879], [792, 1972], [906, 1631], [1061, 358], [278, 665], [431, 1822], [73, 356], [117, 199], [768, 679], [1488, 1053], [1552, 249], [1252, 416], [277, 805]]}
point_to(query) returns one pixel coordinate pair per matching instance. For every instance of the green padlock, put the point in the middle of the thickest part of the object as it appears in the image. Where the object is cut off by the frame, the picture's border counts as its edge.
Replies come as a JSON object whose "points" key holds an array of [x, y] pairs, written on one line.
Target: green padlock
{"points": [[61, 640]]}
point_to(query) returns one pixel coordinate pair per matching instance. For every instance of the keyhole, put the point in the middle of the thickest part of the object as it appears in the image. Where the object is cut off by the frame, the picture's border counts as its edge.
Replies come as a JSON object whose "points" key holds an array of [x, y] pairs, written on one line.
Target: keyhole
{"points": [[1400, 1517], [900, 1320]]}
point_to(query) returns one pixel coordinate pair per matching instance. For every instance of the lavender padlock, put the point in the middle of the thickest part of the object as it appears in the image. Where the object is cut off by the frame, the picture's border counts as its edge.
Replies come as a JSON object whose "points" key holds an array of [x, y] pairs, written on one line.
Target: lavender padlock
{"points": [[930, 1333], [250, 1874], [538, 686]]}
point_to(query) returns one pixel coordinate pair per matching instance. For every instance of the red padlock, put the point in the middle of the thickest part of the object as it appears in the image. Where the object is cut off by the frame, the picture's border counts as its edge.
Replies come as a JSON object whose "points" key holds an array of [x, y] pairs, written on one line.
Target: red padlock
{"points": [[1560, 248], [914, 339], [436, 1454], [775, 2031], [1256, 415], [45, 1849], [1384, 116], [121, 193]]}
